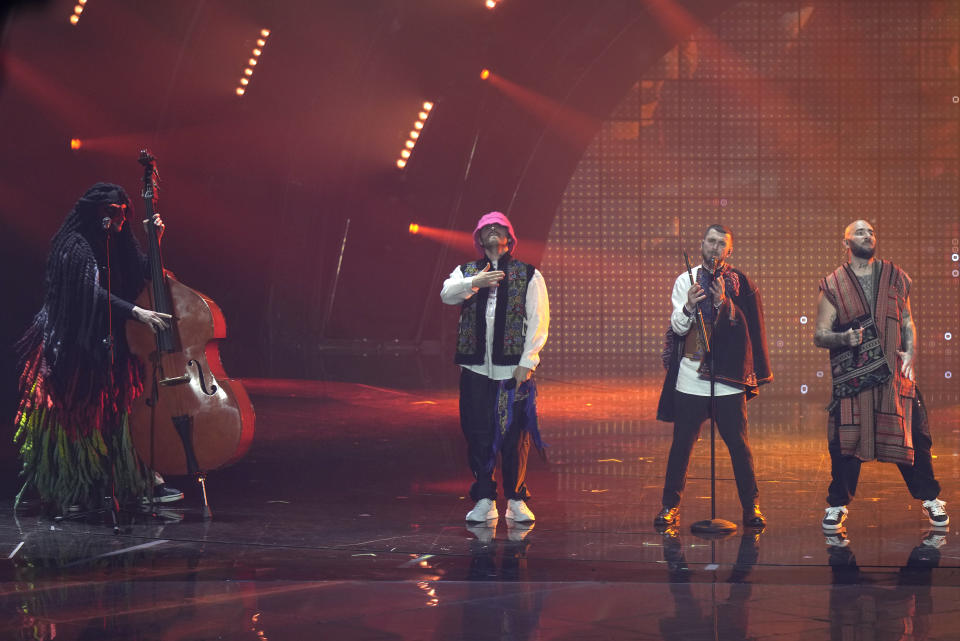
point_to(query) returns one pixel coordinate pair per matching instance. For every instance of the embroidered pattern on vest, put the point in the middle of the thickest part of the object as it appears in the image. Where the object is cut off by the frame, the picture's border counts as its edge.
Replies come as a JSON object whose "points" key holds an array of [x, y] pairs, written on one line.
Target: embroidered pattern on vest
{"points": [[513, 334], [510, 317], [468, 341]]}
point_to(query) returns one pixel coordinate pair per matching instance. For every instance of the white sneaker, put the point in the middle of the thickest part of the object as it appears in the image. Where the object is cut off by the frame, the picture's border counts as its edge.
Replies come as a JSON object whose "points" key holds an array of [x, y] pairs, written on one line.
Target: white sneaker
{"points": [[484, 510], [935, 512], [834, 517], [518, 511]]}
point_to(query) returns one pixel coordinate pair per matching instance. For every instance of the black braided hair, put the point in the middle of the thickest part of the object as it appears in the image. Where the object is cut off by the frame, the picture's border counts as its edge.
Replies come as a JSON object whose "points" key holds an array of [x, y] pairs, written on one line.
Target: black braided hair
{"points": [[70, 328]]}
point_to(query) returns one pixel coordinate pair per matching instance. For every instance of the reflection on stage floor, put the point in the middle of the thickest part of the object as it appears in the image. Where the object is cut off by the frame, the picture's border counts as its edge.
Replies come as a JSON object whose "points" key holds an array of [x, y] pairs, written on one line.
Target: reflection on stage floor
{"points": [[345, 521]]}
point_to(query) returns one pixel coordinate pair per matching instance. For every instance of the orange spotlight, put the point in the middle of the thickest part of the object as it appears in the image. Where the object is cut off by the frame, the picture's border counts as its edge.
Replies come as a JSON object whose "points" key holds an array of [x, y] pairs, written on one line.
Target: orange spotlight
{"points": [[74, 19], [76, 143], [265, 33], [405, 154], [252, 62], [78, 9], [241, 91], [257, 52], [422, 115], [261, 42], [244, 81], [414, 134], [414, 228], [427, 106], [418, 125], [409, 144], [484, 74], [248, 72], [401, 163], [491, 4]]}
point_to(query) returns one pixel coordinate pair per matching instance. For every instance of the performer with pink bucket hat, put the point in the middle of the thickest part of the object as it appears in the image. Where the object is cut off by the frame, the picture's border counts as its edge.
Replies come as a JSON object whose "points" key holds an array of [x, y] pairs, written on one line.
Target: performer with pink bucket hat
{"points": [[503, 326]]}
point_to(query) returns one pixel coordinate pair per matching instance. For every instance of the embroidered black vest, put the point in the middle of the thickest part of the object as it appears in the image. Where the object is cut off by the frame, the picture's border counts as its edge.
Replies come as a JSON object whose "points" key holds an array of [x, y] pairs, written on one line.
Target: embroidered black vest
{"points": [[509, 332]]}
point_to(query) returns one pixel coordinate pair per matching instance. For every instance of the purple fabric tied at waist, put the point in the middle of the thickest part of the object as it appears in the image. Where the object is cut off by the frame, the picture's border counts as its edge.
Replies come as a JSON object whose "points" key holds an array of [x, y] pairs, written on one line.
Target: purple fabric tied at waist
{"points": [[510, 400]]}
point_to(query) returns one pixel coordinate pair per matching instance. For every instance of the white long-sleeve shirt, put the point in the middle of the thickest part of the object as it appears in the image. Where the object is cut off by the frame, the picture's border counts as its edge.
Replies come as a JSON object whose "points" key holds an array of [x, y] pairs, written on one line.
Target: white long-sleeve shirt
{"points": [[688, 381], [458, 288]]}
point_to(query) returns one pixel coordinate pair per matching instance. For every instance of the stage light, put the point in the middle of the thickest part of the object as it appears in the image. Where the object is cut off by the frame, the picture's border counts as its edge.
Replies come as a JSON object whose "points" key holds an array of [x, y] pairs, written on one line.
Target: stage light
{"points": [[491, 4], [76, 143], [77, 10], [484, 74], [257, 51], [425, 109], [414, 228]]}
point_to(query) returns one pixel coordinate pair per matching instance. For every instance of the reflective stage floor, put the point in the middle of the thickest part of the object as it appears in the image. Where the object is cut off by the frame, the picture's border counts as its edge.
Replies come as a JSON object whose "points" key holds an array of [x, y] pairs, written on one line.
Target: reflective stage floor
{"points": [[345, 521]]}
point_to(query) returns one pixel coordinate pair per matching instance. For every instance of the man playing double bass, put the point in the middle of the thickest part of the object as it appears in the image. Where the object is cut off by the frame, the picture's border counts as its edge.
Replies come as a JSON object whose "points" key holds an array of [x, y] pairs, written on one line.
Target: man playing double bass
{"points": [[79, 379], [864, 318]]}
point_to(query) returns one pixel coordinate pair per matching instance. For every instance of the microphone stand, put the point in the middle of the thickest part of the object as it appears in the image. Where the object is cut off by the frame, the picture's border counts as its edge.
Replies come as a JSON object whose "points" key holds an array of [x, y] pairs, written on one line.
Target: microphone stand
{"points": [[712, 527]]}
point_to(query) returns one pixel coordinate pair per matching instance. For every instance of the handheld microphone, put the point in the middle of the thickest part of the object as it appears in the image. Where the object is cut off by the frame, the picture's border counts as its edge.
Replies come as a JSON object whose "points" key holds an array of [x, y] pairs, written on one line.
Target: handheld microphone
{"points": [[105, 221], [856, 348]]}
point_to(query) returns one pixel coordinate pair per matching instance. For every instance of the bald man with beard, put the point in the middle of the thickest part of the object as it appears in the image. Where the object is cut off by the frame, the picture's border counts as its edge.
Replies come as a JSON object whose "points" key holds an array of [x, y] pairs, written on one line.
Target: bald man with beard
{"points": [[877, 412]]}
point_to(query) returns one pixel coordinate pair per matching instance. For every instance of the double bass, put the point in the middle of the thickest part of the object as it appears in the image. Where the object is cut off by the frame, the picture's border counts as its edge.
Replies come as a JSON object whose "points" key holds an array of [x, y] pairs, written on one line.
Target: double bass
{"points": [[191, 418]]}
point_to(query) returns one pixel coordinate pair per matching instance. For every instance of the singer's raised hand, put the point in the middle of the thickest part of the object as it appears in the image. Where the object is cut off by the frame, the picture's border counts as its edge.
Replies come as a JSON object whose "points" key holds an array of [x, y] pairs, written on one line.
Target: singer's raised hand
{"points": [[487, 278]]}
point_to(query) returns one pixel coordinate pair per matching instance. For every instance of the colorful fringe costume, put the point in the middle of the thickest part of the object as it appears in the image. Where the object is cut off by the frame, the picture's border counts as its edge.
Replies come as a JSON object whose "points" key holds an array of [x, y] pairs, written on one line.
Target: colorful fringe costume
{"points": [[71, 424]]}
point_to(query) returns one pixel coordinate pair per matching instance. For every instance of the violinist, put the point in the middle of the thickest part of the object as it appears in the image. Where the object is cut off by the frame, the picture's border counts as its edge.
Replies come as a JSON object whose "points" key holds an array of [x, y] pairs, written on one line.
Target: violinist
{"points": [[79, 379]]}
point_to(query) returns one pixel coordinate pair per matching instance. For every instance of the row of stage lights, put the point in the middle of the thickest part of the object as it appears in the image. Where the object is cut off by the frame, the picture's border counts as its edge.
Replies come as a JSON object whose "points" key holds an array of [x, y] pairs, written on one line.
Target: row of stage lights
{"points": [[411, 142], [425, 112], [252, 62], [77, 10]]}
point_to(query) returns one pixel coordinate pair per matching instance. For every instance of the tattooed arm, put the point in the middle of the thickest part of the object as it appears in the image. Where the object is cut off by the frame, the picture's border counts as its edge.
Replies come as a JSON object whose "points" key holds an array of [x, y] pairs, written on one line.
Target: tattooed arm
{"points": [[824, 336], [908, 339]]}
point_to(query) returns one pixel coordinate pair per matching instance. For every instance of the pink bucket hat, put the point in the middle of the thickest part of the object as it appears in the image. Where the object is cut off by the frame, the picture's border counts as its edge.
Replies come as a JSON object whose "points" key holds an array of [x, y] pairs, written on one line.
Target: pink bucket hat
{"points": [[488, 219]]}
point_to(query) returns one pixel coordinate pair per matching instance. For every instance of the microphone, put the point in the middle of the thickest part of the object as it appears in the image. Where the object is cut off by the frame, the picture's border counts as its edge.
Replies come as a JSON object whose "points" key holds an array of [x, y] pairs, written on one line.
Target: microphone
{"points": [[856, 348], [105, 221]]}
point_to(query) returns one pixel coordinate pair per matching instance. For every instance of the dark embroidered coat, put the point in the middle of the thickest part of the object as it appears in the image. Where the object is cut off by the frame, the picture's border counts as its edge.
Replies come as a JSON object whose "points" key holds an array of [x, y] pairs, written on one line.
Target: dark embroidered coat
{"points": [[739, 341], [509, 331]]}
